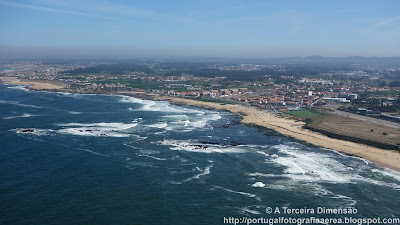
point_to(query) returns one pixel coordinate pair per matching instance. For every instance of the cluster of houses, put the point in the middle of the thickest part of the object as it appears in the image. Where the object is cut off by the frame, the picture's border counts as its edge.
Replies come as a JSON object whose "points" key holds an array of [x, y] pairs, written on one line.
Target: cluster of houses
{"points": [[105, 87], [220, 93], [266, 94]]}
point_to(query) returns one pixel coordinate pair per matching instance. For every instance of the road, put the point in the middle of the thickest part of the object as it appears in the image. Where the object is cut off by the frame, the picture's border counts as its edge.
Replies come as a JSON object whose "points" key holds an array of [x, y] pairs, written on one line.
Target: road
{"points": [[367, 119]]}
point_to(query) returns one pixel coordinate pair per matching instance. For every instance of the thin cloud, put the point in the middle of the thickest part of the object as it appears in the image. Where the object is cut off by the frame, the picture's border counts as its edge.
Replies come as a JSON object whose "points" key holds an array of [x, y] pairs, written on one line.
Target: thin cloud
{"points": [[100, 9], [386, 23], [50, 9]]}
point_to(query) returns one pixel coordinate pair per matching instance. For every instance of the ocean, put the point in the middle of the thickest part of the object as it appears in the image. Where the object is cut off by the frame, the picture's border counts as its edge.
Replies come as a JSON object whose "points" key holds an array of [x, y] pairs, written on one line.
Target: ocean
{"points": [[5, 69], [99, 159]]}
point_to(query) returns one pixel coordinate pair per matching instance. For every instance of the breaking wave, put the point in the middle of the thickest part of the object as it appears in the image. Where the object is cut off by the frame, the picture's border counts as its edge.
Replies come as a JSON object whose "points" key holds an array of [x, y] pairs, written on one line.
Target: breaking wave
{"points": [[302, 167], [25, 115], [200, 147], [86, 129], [237, 192], [19, 87], [19, 104]]}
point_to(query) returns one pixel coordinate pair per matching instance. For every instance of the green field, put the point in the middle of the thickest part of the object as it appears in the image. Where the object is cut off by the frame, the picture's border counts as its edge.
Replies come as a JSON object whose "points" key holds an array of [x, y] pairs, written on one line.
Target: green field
{"points": [[303, 113]]}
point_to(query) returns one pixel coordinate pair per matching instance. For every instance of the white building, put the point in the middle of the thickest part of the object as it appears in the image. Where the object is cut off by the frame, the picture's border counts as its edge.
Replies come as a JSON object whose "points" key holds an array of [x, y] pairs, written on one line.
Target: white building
{"points": [[335, 100]]}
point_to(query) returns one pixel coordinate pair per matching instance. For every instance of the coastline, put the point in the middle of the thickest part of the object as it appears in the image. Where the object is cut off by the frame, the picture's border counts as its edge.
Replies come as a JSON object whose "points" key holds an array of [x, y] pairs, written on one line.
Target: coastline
{"points": [[34, 85], [292, 128], [251, 115]]}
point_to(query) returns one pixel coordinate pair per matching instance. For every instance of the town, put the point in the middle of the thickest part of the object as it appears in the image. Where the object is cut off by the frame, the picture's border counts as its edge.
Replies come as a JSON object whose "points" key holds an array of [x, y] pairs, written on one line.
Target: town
{"points": [[364, 91]]}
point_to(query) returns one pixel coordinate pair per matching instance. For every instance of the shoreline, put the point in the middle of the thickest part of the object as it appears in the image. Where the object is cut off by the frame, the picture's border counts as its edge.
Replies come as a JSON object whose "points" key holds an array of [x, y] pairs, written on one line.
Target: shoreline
{"points": [[251, 116], [294, 129], [33, 85]]}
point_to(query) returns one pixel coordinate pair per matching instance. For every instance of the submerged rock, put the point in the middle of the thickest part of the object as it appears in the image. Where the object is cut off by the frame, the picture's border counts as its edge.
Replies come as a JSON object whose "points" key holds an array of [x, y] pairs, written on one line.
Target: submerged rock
{"points": [[28, 130], [200, 146], [234, 143], [210, 143]]}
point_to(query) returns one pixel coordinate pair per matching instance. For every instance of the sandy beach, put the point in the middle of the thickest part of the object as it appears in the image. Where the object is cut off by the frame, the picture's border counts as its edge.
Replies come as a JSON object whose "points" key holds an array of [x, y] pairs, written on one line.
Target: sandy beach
{"points": [[293, 128], [251, 115], [34, 85]]}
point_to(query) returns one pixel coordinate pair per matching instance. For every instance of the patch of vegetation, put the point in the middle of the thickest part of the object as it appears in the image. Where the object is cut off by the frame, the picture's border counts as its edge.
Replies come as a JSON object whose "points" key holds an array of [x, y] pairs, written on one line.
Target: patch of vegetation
{"points": [[308, 120], [354, 139], [395, 83], [303, 113]]}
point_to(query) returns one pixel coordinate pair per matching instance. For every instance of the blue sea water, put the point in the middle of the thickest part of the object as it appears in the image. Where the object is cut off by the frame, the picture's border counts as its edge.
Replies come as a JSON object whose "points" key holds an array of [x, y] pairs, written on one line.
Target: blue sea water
{"points": [[4, 69], [97, 159]]}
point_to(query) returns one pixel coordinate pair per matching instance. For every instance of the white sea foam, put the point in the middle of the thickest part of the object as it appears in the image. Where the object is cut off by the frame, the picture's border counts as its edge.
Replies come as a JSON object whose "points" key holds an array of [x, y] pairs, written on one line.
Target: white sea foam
{"points": [[89, 129], [198, 124], [37, 132], [263, 175], [188, 124], [19, 87], [388, 173], [246, 210], [199, 147], [309, 166], [379, 182], [74, 112], [214, 116], [93, 152], [367, 162], [150, 156], [303, 167], [177, 121], [64, 93], [127, 99], [19, 104], [161, 132], [179, 116], [262, 153], [306, 187], [25, 115], [158, 125], [351, 202], [130, 146], [82, 96], [185, 123], [237, 192], [105, 126], [135, 164], [162, 106], [204, 172], [86, 131], [186, 119], [258, 184]]}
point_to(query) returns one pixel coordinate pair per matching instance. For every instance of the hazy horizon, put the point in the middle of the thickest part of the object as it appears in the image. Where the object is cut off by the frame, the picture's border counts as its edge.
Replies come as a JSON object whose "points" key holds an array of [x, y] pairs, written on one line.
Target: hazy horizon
{"points": [[229, 29]]}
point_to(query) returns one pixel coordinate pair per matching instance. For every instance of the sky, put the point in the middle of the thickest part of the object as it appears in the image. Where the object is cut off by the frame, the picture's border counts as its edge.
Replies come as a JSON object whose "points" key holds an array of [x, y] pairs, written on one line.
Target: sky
{"points": [[217, 28]]}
